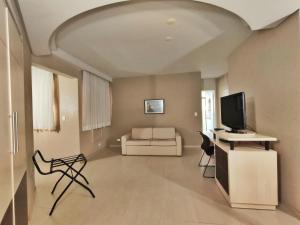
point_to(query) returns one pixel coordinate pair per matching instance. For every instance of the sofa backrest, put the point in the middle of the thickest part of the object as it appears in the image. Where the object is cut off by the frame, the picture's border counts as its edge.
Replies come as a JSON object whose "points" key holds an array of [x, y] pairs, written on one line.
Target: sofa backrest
{"points": [[141, 133], [153, 133], [164, 133]]}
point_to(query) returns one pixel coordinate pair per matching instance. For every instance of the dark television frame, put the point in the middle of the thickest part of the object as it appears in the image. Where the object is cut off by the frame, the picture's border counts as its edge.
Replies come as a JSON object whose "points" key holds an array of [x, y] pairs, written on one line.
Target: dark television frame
{"points": [[236, 129]]}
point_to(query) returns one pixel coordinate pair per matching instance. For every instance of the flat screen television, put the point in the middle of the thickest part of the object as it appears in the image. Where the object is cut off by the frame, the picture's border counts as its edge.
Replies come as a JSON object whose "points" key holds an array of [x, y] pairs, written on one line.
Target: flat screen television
{"points": [[233, 111]]}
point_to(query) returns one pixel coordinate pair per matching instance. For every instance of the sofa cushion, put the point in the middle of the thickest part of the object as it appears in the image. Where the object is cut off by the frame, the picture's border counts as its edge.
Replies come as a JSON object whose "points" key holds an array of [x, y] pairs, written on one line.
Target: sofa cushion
{"points": [[138, 142], [163, 133], [166, 142], [141, 133]]}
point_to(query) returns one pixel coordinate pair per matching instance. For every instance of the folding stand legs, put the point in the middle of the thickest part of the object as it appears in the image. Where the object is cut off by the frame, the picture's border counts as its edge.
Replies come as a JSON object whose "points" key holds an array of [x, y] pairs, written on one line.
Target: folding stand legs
{"points": [[73, 179], [72, 169]]}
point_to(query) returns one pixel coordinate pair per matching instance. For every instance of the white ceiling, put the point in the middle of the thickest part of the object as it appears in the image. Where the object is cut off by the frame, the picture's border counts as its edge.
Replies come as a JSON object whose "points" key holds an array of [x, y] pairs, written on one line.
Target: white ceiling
{"points": [[129, 39]]}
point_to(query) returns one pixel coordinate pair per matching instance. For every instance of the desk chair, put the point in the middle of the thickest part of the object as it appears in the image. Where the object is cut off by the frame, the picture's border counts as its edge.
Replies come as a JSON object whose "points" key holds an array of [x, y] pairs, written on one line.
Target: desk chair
{"points": [[208, 149], [63, 166]]}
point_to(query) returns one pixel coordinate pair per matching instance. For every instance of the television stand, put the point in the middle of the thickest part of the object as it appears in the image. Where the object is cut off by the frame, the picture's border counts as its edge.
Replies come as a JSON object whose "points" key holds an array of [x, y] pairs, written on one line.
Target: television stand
{"points": [[232, 138], [247, 176], [240, 131]]}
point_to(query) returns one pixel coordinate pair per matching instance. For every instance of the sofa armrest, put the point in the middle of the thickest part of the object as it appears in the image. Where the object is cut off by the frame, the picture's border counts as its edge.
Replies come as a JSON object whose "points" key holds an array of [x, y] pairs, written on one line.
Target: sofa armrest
{"points": [[178, 144], [124, 139]]}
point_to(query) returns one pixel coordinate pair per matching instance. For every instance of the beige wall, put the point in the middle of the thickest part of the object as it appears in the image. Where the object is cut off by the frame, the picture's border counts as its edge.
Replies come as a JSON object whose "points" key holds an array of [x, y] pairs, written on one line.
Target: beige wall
{"points": [[267, 68], [182, 94], [222, 89], [66, 141], [209, 84], [89, 140]]}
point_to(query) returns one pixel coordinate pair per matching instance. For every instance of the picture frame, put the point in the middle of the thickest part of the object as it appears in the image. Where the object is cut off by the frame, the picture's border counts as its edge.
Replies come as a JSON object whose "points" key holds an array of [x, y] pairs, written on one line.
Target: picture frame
{"points": [[154, 106]]}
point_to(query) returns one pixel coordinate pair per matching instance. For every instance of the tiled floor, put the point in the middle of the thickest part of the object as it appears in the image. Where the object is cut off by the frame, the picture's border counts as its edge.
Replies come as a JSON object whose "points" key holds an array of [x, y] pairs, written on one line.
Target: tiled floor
{"points": [[138, 190]]}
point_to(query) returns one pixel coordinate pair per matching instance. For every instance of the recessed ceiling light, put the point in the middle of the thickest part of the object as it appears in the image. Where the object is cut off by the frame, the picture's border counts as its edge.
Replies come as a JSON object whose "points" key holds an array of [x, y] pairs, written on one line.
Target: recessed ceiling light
{"points": [[171, 21], [168, 38]]}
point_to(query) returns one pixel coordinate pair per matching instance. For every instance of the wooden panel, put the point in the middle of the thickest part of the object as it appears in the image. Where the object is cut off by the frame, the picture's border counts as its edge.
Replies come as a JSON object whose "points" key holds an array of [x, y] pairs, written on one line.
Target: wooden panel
{"points": [[15, 42], [7, 159], [253, 177], [21, 208], [19, 159], [222, 168], [18, 99], [8, 216], [5, 155]]}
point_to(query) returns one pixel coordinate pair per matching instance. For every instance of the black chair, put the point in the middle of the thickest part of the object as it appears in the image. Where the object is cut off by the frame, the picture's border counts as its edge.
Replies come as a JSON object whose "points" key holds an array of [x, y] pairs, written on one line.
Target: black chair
{"points": [[208, 149], [60, 164]]}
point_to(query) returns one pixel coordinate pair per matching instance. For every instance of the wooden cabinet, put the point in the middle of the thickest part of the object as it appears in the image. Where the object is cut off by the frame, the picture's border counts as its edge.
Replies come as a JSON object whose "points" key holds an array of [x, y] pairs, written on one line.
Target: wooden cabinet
{"points": [[8, 215], [247, 176], [222, 168], [5, 155], [16, 74], [13, 183], [20, 199]]}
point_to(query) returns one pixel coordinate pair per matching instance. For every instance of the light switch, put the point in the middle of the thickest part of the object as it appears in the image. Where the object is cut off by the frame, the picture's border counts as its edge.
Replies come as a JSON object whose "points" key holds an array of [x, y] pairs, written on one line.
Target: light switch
{"points": [[63, 118], [195, 114]]}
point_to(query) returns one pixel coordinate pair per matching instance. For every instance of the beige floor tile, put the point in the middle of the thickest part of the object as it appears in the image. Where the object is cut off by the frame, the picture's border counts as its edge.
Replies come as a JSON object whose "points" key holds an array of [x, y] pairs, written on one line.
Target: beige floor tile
{"points": [[141, 190]]}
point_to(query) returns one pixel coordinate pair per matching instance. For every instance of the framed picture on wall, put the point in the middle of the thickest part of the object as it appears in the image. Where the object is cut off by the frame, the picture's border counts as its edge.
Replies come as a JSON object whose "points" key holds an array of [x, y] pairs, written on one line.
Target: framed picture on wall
{"points": [[154, 106]]}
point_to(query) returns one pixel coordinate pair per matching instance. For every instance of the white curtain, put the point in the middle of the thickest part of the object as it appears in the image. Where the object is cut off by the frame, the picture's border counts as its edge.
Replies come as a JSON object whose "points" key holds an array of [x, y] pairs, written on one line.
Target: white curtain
{"points": [[43, 100], [96, 102]]}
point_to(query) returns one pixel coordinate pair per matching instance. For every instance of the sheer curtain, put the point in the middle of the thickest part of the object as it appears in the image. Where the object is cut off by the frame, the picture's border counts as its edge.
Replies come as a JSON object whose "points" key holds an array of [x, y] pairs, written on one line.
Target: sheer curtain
{"points": [[96, 102], [44, 100]]}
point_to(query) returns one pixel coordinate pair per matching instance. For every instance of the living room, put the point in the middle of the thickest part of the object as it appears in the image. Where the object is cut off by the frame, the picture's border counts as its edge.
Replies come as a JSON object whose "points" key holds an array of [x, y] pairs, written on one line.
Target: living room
{"points": [[168, 51]]}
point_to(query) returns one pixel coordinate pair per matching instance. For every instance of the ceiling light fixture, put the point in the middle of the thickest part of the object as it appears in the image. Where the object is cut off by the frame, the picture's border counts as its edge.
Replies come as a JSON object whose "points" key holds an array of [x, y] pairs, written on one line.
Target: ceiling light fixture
{"points": [[168, 38], [171, 21]]}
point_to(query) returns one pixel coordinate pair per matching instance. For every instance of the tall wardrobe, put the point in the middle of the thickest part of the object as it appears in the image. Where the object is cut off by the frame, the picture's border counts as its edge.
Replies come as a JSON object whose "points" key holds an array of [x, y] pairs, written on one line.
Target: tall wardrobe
{"points": [[13, 183]]}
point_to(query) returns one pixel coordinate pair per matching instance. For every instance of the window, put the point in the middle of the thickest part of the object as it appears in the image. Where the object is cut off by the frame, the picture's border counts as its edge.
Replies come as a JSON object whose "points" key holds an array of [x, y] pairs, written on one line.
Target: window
{"points": [[96, 102], [45, 100]]}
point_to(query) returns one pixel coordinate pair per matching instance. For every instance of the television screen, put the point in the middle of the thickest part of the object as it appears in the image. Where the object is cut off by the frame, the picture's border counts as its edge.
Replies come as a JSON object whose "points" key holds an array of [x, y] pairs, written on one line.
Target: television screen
{"points": [[233, 111]]}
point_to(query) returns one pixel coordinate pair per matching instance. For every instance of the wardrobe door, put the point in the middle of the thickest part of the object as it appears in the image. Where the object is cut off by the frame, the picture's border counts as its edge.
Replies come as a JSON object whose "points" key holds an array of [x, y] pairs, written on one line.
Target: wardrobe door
{"points": [[17, 112], [5, 155], [17, 102]]}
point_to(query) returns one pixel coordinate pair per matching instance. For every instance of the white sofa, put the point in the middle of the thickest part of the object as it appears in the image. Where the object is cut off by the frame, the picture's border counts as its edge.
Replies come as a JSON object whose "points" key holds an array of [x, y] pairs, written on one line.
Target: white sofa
{"points": [[152, 141]]}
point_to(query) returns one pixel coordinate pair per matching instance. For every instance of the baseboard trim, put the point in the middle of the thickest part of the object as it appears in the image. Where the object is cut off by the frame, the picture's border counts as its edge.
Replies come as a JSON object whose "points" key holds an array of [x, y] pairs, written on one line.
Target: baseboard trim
{"points": [[192, 146], [290, 210], [185, 146], [115, 146]]}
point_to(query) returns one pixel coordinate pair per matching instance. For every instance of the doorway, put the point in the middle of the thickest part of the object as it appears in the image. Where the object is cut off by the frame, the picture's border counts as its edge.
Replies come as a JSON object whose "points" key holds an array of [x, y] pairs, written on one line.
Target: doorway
{"points": [[208, 110]]}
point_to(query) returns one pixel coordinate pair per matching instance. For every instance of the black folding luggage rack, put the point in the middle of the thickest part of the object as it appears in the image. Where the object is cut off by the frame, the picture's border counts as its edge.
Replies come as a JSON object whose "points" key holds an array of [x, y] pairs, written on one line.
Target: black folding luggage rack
{"points": [[57, 165]]}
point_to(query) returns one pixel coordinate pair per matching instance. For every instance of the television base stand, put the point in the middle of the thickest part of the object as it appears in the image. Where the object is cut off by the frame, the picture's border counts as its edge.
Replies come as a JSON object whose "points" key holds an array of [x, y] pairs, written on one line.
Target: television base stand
{"points": [[239, 131], [250, 136]]}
